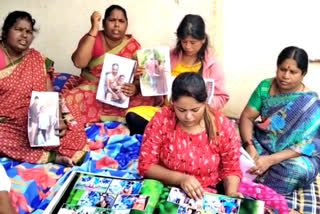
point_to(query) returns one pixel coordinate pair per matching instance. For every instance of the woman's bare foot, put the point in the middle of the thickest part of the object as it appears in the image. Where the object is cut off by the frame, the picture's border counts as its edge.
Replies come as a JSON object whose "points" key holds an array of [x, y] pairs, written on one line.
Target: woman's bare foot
{"points": [[64, 160]]}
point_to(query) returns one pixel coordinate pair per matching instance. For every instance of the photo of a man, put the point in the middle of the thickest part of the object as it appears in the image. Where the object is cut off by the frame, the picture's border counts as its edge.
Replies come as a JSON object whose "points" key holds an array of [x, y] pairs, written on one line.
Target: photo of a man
{"points": [[43, 119], [116, 75], [113, 84]]}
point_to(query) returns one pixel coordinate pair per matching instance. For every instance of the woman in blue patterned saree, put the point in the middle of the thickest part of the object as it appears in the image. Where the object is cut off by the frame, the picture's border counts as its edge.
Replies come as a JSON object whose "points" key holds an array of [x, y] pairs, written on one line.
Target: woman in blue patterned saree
{"points": [[285, 141]]}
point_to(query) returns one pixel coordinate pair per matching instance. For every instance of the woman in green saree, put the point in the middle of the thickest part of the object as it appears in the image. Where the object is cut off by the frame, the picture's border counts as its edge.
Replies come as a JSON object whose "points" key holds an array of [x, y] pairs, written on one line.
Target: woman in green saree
{"points": [[285, 142]]}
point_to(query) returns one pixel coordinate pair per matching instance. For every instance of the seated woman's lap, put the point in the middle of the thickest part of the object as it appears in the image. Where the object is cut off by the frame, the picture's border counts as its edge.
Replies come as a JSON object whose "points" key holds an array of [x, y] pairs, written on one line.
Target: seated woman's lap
{"points": [[136, 123], [291, 174]]}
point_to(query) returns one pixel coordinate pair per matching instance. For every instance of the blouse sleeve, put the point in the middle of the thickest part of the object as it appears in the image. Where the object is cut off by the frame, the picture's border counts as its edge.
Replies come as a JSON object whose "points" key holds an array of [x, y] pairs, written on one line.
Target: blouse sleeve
{"points": [[256, 97], [151, 142], [221, 96], [229, 148]]}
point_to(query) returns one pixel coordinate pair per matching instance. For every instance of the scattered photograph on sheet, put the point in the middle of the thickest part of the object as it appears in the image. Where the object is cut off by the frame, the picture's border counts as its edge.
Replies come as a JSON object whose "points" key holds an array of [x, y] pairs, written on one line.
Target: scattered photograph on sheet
{"points": [[43, 119], [93, 183], [140, 202], [214, 203], [76, 209], [124, 187]]}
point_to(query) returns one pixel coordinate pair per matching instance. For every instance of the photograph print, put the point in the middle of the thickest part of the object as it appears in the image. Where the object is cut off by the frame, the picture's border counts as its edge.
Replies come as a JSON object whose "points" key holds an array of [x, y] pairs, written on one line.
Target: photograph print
{"points": [[115, 72], [93, 183], [43, 119], [210, 88], [156, 61], [214, 203]]}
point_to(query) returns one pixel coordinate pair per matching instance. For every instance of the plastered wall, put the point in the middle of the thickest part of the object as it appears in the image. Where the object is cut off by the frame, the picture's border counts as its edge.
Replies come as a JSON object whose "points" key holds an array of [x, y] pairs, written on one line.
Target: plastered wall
{"points": [[62, 23], [246, 34]]}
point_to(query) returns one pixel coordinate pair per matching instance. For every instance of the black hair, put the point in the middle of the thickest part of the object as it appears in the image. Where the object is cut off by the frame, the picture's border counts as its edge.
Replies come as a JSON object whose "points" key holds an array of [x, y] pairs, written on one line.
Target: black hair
{"points": [[114, 7], [115, 64], [12, 18], [191, 84], [298, 54], [192, 25]]}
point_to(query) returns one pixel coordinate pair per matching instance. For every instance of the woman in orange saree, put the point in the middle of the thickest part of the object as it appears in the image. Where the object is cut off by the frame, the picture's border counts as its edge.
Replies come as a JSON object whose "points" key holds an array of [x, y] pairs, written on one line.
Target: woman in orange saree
{"points": [[89, 56], [23, 70]]}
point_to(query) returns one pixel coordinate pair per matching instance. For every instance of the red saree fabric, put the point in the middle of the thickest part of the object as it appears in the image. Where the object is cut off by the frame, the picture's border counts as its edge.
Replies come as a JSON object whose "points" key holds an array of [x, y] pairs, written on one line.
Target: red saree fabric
{"points": [[16, 84], [81, 100]]}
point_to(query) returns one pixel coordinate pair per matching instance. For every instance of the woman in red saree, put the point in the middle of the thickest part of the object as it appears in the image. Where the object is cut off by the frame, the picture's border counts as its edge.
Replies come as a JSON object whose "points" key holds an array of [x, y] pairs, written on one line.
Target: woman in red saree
{"points": [[23, 70], [89, 56]]}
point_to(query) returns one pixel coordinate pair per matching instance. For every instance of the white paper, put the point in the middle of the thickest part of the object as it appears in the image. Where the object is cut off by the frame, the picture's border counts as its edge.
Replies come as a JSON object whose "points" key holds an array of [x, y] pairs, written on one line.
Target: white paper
{"points": [[111, 80], [43, 119], [153, 82], [246, 162]]}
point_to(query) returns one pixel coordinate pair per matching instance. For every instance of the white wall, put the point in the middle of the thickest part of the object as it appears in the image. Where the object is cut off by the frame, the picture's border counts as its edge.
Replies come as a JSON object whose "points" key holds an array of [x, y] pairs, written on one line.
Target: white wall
{"points": [[254, 33], [63, 22]]}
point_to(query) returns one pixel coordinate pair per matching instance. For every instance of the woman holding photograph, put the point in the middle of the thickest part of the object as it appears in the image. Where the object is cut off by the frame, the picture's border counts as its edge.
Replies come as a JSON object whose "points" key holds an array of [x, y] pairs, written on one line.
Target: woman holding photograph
{"points": [[284, 142], [89, 56], [190, 54], [188, 145], [22, 70]]}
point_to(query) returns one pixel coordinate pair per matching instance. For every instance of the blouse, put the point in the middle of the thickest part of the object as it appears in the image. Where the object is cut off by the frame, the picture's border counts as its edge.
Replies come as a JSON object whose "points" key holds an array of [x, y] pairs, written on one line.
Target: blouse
{"points": [[259, 93], [181, 68], [168, 145]]}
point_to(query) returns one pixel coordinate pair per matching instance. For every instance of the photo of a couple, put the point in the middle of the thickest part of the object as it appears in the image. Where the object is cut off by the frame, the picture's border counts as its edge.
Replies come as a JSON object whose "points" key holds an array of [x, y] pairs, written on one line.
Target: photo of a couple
{"points": [[156, 62], [43, 119]]}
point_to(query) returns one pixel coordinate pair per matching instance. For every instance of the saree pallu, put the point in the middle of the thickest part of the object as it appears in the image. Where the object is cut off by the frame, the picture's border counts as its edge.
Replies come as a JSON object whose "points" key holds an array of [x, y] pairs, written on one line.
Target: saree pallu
{"points": [[17, 81], [81, 100], [290, 121]]}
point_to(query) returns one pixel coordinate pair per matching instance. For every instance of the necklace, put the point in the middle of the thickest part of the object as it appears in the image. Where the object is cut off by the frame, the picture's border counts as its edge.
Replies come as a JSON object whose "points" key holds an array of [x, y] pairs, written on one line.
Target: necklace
{"points": [[7, 53]]}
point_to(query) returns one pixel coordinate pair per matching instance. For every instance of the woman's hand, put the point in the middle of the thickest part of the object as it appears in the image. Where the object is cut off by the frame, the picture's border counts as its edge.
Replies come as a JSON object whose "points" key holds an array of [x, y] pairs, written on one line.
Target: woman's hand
{"points": [[262, 163], [95, 21], [235, 194], [252, 152], [191, 186], [62, 128], [139, 71], [128, 89]]}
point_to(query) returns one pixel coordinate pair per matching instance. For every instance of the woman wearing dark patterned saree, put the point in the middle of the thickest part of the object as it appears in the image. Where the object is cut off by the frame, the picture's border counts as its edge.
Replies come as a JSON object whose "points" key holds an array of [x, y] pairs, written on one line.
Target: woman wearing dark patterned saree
{"points": [[89, 56], [22, 70], [285, 142]]}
